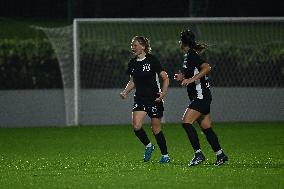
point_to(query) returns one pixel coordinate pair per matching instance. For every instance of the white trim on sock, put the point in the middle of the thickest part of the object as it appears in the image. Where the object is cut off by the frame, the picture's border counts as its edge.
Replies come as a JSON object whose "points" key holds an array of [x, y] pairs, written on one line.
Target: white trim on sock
{"points": [[198, 151], [219, 152], [149, 145]]}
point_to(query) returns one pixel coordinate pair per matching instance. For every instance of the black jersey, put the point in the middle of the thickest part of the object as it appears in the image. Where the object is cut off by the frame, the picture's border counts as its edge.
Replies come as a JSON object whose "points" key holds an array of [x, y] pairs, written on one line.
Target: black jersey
{"points": [[191, 66], [145, 73]]}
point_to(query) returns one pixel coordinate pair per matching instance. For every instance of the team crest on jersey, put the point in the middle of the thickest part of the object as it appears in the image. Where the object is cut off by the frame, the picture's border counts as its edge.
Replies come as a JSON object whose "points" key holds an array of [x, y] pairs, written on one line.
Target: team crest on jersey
{"points": [[146, 67]]}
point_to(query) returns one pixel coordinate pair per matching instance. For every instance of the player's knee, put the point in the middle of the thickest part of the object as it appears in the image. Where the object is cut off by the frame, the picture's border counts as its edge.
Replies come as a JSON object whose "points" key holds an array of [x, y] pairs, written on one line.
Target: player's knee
{"points": [[156, 128], [186, 119], [190, 121], [205, 126], [136, 126]]}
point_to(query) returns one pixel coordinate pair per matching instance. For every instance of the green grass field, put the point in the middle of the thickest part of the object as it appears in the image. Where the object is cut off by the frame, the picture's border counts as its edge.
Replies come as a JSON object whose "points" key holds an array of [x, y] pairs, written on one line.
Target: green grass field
{"points": [[111, 157]]}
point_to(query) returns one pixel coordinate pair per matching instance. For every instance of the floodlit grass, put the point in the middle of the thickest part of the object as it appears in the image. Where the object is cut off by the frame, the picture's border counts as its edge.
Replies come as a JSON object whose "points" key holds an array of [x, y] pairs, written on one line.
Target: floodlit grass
{"points": [[111, 157]]}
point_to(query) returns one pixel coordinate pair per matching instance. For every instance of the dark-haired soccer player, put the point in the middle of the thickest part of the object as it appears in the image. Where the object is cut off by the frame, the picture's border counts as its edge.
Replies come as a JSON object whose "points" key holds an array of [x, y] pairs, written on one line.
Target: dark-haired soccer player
{"points": [[194, 77], [145, 70]]}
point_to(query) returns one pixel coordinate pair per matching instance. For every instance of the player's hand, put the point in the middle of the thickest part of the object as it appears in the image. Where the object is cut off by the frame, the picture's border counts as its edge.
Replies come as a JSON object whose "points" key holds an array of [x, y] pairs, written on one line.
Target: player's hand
{"points": [[178, 76], [186, 82], [123, 95], [160, 98]]}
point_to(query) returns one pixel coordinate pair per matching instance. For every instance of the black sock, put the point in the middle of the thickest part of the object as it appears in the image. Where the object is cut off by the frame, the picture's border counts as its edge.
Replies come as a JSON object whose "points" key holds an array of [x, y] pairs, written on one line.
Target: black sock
{"points": [[141, 134], [161, 141], [192, 135], [212, 139]]}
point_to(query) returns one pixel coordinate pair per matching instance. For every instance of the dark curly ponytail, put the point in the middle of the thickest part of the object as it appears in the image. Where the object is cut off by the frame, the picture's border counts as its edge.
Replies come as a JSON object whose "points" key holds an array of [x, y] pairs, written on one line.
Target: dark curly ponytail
{"points": [[187, 38]]}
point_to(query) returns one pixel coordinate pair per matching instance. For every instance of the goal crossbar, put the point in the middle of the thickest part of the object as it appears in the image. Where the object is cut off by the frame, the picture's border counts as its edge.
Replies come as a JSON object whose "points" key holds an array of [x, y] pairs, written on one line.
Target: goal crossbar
{"points": [[183, 19]]}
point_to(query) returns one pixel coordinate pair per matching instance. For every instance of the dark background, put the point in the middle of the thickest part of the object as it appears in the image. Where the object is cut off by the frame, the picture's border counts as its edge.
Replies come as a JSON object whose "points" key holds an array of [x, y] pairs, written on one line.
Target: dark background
{"points": [[27, 60], [68, 9]]}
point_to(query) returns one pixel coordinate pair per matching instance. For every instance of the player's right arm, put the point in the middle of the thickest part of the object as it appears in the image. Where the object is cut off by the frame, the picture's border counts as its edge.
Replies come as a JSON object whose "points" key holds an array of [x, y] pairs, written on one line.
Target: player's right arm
{"points": [[130, 85]]}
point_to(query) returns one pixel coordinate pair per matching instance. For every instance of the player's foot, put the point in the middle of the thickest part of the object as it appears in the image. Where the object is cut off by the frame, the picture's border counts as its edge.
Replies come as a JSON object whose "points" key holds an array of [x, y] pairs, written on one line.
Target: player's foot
{"points": [[165, 159], [221, 159], [197, 159], [148, 152]]}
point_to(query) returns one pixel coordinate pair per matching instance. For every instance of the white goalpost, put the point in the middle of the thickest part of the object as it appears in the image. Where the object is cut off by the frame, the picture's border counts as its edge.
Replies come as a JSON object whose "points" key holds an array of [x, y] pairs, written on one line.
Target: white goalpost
{"points": [[76, 50], [96, 52]]}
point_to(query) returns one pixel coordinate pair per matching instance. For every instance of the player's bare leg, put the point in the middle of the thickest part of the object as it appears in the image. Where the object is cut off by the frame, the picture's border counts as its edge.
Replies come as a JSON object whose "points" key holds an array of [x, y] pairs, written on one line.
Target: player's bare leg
{"points": [[137, 119], [156, 125], [190, 116]]}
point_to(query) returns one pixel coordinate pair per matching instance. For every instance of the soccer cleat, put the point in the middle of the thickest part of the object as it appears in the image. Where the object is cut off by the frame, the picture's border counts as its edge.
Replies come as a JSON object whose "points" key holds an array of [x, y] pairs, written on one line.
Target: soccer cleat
{"points": [[148, 152], [197, 159], [221, 159], [165, 159]]}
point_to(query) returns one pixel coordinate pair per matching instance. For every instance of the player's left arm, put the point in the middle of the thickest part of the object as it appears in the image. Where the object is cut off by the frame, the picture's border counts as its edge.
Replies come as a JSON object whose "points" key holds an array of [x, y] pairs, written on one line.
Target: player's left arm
{"points": [[165, 85], [204, 69]]}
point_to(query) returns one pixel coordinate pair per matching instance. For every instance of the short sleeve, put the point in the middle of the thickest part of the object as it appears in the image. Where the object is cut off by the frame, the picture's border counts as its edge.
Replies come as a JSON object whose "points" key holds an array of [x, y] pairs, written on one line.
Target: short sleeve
{"points": [[196, 60], [192, 60], [157, 65], [129, 70]]}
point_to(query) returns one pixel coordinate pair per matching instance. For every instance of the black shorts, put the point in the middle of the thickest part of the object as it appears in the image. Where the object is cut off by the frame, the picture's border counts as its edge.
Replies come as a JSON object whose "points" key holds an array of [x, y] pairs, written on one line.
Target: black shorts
{"points": [[153, 109], [200, 105]]}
